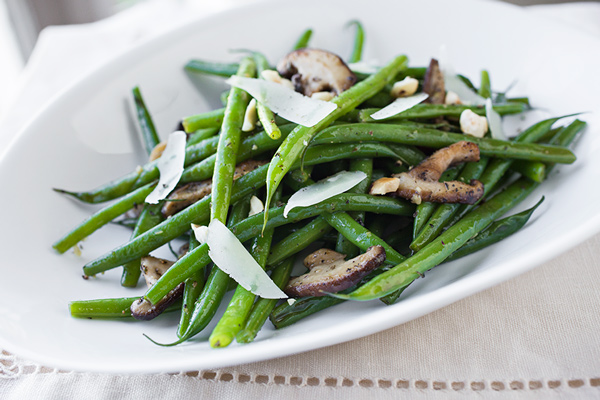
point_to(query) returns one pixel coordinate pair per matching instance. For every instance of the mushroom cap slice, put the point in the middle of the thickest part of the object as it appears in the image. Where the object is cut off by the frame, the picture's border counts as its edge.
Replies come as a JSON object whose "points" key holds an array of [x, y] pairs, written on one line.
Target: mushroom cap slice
{"points": [[433, 83], [332, 274], [313, 70], [421, 182], [152, 269]]}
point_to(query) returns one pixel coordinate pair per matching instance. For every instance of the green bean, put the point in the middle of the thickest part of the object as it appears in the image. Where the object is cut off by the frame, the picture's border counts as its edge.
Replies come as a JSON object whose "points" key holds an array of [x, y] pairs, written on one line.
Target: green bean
{"points": [[142, 175], [359, 39], [101, 218], [198, 212], [229, 142], [208, 302], [192, 289], [265, 116], [485, 89], [252, 227], [263, 307], [361, 236], [287, 314], [429, 111], [303, 40], [212, 68], [437, 251], [242, 300], [200, 135], [107, 308], [210, 119], [299, 240], [437, 139], [497, 231], [297, 141], [149, 218], [145, 121], [534, 170], [343, 245]]}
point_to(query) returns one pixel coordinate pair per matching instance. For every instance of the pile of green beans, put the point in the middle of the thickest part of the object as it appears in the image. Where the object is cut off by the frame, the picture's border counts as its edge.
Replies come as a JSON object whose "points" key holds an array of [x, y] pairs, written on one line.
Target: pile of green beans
{"points": [[415, 237]]}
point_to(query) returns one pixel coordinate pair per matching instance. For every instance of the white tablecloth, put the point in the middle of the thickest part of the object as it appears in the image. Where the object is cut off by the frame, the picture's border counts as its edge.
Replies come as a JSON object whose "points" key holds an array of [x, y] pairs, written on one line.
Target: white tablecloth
{"points": [[535, 336]]}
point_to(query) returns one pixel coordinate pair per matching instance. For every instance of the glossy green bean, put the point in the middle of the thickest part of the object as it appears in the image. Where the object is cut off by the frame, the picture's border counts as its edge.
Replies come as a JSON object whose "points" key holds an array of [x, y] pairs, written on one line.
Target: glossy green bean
{"points": [[210, 119], [303, 40], [497, 231], [263, 307], [192, 289], [359, 39], [265, 116], [428, 111], [149, 134], [107, 308], [101, 218], [212, 68], [299, 240], [437, 139]]}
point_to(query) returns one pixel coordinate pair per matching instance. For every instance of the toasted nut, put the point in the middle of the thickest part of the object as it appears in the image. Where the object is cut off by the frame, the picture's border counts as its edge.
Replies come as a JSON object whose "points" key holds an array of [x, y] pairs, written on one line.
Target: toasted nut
{"points": [[157, 151], [404, 88], [250, 117], [385, 185], [273, 76], [473, 124], [324, 96], [452, 98]]}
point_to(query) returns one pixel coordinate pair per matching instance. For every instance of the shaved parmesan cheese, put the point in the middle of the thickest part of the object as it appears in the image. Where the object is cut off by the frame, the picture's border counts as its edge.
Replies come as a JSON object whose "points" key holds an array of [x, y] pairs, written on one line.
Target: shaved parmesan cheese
{"points": [[170, 167], [399, 105], [494, 121], [365, 67], [324, 189], [283, 101], [200, 233], [226, 251], [256, 206]]}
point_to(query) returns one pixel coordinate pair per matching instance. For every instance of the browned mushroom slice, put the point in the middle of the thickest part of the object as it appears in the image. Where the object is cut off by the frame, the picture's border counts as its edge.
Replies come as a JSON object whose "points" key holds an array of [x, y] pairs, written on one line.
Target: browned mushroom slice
{"points": [[152, 269], [313, 70], [421, 183], [330, 274], [194, 191], [433, 83]]}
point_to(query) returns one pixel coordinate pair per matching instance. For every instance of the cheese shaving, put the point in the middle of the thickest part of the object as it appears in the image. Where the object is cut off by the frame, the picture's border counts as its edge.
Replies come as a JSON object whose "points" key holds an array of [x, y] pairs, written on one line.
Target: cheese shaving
{"points": [[170, 167], [494, 121], [324, 189], [230, 255], [283, 101], [399, 105]]}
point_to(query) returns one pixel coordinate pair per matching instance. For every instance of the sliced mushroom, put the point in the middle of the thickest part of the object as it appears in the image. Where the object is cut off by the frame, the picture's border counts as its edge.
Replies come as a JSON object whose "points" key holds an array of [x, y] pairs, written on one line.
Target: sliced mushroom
{"points": [[421, 183], [329, 273], [433, 83], [194, 191], [152, 269], [313, 70]]}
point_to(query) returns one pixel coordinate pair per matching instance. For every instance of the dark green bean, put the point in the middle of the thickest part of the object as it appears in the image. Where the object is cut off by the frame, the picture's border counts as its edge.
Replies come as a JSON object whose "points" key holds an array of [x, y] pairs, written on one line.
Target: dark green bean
{"points": [[497, 231], [145, 121], [263, 307], [359, 39], [429, 111], [192, 289], [212, 68], [299, 240], [437, 139]]}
